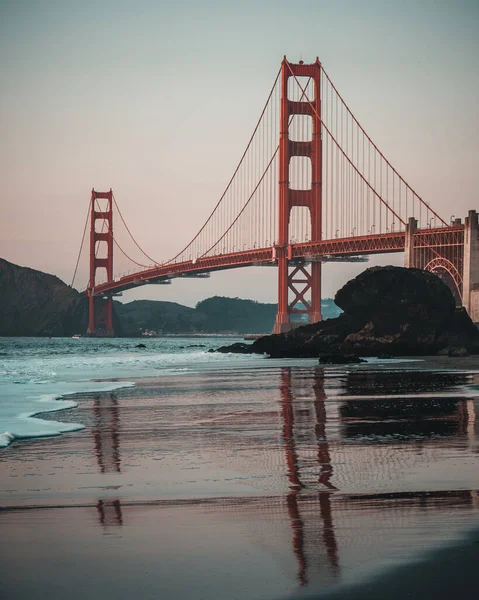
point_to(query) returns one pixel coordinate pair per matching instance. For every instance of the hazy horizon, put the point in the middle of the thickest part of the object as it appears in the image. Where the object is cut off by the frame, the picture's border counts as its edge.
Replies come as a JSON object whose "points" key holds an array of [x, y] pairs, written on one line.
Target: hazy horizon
{"points": [[157, 101]]}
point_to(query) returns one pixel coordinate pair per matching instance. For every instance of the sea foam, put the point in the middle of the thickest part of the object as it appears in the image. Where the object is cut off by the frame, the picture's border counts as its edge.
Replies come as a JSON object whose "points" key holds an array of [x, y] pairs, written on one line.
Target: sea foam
{"points": [[37, 374], [23, 425]]}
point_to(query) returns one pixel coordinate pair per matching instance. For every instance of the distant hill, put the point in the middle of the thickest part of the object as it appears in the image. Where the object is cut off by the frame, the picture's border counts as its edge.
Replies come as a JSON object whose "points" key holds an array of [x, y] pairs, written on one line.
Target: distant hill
{"points": [[213, 315], [236, 315], [157, 316], [35, 303]]}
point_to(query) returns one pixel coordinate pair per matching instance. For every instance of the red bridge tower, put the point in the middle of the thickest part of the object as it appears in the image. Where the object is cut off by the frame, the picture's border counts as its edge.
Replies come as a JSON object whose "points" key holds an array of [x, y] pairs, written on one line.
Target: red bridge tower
{"points": [[288, 198], [100, 311]]}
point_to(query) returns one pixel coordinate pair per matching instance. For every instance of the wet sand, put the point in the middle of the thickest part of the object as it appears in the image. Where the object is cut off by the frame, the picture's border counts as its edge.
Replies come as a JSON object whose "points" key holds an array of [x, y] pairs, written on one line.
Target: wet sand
{"points": [[262, 483]]}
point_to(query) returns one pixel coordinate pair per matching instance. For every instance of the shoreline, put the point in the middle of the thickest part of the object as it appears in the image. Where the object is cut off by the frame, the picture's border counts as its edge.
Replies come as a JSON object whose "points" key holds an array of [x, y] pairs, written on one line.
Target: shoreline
{"points": [[440, 573]]}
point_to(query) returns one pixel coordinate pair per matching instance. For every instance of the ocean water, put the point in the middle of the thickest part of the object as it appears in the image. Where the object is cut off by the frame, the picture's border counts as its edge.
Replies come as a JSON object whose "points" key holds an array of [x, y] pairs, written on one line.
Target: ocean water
{"points": [[42, 375], [39, 375]]}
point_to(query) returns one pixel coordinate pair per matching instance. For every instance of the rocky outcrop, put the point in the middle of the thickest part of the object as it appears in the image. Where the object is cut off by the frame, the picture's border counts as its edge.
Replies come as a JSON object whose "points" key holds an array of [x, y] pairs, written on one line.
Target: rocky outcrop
{"points": [[401, 312], [236, 348]]}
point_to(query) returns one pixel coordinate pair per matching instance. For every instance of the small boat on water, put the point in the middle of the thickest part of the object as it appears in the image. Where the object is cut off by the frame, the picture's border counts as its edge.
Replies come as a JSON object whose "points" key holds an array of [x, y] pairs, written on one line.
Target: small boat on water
{"points": [[76, 336]]}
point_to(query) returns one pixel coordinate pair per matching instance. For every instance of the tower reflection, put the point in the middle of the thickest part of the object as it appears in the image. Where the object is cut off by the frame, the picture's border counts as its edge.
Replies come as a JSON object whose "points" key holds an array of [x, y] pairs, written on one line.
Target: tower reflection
{"points": [[291, 429], [386, 425], [292, 464], [106, 434], [106, 437], [109, 512]]}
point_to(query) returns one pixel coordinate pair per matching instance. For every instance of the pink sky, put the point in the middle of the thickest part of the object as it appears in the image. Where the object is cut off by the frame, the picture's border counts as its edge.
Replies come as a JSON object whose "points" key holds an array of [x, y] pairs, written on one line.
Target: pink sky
{"points": [[157, 100]]}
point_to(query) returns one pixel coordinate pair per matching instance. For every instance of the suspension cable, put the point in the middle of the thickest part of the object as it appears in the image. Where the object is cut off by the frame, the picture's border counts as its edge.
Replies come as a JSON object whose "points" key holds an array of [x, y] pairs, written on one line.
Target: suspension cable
{"points": [[246, 204], [131, 235], [81, 246], [376, 148], [342, 151], [266, 170], [129, 257], [234, 174]]}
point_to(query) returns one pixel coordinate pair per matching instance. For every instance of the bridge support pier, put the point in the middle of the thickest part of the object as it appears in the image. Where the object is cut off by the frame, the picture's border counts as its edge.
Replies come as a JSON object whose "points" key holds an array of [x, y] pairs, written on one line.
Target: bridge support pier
{"points": [[470, 281], [409, 256], [282, 318]]}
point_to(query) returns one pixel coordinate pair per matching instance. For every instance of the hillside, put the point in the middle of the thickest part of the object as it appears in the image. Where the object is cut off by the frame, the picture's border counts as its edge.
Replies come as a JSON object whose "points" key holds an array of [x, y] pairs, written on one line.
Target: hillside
{"points": [[35, 303], [213, 315], [155, 315], [236, 315]]}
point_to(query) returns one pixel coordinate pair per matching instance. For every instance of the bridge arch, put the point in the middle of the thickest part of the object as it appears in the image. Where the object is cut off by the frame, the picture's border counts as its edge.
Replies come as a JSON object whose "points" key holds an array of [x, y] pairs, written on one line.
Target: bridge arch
{"points": [[448, 272]]}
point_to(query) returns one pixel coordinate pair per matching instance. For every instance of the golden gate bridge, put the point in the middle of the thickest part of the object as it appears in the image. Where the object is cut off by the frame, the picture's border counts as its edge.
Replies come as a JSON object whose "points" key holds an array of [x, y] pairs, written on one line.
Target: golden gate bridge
{"points": [[310, 186]]}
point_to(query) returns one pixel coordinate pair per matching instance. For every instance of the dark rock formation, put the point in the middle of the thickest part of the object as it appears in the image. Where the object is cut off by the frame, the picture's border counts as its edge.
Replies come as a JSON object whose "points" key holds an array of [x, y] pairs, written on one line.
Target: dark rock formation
{"points": [[456, 351], [236, 348], [459, 333], [401, 312]]}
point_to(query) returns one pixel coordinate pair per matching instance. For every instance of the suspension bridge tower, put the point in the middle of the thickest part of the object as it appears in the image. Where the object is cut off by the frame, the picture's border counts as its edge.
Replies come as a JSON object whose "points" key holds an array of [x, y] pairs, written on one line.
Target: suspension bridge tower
{"points": [[100, 310], [300, 275]]}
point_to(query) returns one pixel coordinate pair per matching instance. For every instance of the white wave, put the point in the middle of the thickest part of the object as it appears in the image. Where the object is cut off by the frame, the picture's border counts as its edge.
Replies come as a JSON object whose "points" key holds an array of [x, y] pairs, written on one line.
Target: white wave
{"points": [[6, 439], [60, 369], [18, 416]]}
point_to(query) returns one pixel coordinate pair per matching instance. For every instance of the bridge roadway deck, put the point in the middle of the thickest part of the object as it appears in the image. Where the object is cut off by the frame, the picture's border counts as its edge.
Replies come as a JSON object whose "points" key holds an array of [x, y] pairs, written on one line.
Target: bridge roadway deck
{"points": [[353, 246]]}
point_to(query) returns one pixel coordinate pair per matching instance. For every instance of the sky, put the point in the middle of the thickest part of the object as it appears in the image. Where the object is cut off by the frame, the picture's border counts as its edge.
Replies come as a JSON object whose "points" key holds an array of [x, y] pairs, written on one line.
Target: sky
{"points": [[157, 100]]}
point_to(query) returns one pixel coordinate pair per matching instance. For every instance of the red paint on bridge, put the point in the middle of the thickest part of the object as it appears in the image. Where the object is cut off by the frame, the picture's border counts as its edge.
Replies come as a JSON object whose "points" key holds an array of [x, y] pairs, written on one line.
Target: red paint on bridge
{"points": [[306, 252]]}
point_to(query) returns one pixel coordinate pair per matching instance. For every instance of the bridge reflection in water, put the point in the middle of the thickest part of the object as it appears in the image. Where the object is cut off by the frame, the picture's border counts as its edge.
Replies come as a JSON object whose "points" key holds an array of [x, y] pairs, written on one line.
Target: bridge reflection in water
{"points": [[106, 437], [337, 429], [363, 420], [325, 519]]}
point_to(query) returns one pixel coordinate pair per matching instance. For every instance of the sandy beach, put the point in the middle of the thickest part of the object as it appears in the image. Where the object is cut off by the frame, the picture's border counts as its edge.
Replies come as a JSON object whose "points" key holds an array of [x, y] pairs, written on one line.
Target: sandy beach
{"points": [[272, 482]]}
